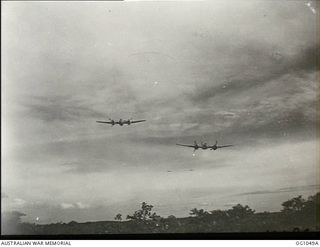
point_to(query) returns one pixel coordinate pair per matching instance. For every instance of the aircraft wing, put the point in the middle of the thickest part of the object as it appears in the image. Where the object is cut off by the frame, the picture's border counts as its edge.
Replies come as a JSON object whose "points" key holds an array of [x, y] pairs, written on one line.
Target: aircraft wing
{"points": [[191, 146], [137, 121], [224, 146], [104, 122]]}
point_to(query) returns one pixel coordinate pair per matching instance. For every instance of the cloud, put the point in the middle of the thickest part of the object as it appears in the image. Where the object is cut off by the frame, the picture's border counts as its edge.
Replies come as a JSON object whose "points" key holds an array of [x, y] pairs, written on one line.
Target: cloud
{"points": [[4, 195], [304, 61], [59, 108], [82, 205], [282, 190], [78, 205], [75, 97], [67, 205], [18, 202]]}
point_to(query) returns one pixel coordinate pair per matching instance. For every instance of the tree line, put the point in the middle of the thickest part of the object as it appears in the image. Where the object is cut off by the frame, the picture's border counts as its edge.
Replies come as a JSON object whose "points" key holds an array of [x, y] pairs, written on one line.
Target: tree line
{"points": [[297, 214]]}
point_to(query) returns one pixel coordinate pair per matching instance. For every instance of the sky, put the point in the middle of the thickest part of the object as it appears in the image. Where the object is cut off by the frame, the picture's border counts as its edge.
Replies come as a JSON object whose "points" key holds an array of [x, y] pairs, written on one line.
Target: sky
{"points": [[243, 73]]}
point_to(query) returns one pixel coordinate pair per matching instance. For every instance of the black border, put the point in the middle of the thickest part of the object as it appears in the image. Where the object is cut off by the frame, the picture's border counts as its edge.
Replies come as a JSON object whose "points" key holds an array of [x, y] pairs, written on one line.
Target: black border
{"points": [[176, 236]]}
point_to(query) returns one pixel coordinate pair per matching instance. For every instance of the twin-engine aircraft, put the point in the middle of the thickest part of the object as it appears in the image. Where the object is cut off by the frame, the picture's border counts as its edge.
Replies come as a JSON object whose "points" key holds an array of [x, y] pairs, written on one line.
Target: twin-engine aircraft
{"points": [[204, 146], [121, 121]]}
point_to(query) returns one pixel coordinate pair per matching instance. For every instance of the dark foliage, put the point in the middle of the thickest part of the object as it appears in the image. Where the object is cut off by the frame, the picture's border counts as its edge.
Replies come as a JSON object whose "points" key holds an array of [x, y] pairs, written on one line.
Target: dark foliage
{"points": [[118, 217], [144, 214], [297, 214], [199, 213]]}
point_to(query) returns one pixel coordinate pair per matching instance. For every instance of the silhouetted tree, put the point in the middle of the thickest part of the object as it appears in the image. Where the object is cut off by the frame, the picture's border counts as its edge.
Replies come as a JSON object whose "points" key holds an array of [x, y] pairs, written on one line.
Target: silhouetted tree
{"points": [[118, 217], [240, 211], [198, 213], [219, 215], [312, 204], [172, 217], [293, 205], [143, 214], [303, 216]]}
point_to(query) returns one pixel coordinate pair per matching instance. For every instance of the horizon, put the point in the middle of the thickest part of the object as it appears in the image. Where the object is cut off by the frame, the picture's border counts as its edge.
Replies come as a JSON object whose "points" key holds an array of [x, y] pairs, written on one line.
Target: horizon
{"points": [[124, 216]]}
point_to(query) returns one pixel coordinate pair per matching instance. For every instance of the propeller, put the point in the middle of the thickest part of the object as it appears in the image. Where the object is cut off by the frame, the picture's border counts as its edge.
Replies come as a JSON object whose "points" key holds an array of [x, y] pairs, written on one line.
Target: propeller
{"points": [[214, 147], [129, 121], [112, 121]]}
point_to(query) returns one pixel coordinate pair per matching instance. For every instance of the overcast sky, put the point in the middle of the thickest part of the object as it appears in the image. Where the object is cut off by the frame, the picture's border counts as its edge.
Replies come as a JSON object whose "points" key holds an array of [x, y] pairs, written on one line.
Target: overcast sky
{"points": [[240, 72]]}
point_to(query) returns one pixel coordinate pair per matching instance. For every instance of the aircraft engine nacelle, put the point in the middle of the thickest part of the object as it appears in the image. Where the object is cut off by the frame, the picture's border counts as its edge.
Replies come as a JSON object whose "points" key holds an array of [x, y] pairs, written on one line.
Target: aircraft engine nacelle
{"points": [[112, 121]]}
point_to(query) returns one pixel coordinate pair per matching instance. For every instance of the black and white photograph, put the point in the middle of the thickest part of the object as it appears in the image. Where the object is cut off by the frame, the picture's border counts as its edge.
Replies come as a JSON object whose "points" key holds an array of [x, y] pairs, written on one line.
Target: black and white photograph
{"points": [[133, 118]]}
